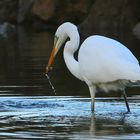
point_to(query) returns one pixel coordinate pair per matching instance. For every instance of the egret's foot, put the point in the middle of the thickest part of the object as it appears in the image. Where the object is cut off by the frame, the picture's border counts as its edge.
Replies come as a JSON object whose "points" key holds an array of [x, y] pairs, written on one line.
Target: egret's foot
{"points": [[92, 90], [92, 111], [92, 106], [126, 102], [127, 105], [128, 110], [126, 113]]}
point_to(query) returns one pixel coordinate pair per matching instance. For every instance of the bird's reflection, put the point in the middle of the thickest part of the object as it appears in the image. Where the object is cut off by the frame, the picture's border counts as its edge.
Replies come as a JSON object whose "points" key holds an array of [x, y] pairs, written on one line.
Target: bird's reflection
{"points": [[103, 125]]}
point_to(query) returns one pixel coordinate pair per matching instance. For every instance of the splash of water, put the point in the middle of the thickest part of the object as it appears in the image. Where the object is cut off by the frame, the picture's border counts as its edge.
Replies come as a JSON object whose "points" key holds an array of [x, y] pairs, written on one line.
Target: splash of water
{"points": [[50, 83]]}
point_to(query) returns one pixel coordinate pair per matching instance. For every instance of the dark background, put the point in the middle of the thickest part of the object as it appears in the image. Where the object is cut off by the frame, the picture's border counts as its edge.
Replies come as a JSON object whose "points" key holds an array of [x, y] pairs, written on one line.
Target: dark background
{"points": [[26, 37]]}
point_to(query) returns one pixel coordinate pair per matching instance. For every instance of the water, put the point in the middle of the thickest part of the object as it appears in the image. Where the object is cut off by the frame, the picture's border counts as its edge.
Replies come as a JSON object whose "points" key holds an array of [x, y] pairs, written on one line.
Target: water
{"points": [[63, 118], [50, 83], [30, 109]]}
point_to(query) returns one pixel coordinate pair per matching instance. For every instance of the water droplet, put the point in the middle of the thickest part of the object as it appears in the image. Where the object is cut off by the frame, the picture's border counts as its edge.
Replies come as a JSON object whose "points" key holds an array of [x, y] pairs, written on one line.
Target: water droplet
{"points": [[51, 83]]}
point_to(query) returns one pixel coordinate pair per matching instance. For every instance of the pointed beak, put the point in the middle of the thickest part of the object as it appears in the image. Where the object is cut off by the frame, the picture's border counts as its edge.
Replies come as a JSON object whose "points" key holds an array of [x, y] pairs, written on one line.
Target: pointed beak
{"points": [[52, 56]]}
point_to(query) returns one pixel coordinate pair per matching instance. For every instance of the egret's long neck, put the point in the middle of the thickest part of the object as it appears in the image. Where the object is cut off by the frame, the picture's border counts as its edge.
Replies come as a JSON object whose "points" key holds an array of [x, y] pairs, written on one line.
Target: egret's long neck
{"points": [[69, 49]]}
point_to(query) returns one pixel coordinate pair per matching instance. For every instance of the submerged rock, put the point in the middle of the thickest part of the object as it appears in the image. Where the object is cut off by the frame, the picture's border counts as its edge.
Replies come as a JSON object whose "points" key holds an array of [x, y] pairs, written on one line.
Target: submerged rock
{"points": [[136, 30], [112, 16], [24, 8], [44, 9], [6, 29], [53, 12], [8, 10]]}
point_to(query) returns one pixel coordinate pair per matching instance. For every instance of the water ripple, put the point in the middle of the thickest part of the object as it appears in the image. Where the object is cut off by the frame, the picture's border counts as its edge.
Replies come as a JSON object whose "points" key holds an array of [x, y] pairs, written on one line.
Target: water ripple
{"points": [[39, 117]]}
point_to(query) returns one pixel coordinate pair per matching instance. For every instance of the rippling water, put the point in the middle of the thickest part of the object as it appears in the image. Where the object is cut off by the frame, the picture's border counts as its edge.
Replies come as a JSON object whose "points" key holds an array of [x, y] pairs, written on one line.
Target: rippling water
{"points": [[44, 117], [29, 109]]}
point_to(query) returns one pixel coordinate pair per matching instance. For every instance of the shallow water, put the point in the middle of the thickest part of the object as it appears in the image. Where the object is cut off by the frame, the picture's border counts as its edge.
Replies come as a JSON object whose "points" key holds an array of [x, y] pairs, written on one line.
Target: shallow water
{"points": [[29, 108], [43, 117]]}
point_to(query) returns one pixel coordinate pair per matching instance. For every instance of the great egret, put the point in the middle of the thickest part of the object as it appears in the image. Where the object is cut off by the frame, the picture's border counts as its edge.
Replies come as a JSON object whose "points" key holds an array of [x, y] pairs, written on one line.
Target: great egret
{"points": [[102, 62]]}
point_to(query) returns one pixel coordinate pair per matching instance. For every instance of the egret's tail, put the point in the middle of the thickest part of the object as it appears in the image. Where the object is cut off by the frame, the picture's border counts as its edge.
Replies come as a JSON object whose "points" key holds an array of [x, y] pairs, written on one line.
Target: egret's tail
{"points": [[131, 72], [135, 74]]}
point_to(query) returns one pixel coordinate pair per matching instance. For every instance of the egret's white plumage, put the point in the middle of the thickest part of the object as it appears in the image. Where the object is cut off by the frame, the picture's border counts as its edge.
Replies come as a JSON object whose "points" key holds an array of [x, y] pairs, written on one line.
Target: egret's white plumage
{"points": [[102, 62]]}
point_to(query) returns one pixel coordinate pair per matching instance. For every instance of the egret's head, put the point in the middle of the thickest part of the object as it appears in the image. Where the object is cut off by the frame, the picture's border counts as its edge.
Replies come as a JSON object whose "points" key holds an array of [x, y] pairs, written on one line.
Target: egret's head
{"points": [[62, 33]]}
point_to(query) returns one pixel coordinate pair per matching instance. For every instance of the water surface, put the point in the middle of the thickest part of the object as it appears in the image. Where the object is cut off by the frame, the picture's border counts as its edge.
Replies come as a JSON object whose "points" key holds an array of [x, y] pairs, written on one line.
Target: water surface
{"points": [[43, 117], [29, 109]]}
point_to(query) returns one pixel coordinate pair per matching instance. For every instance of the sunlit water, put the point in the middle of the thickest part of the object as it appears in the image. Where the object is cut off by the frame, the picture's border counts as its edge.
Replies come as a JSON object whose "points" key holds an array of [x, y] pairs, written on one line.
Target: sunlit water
{"points": [[33, 106]]}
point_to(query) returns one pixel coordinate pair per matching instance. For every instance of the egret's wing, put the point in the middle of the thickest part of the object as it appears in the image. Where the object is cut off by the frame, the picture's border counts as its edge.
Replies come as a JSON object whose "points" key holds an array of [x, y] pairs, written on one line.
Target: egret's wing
{"points": [[103, 59], [123, 63], [124, 53]]}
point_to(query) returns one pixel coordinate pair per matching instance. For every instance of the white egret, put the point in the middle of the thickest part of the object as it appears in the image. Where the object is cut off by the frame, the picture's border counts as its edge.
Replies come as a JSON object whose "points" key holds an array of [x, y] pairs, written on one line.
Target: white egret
{"points": [[102, 62]]}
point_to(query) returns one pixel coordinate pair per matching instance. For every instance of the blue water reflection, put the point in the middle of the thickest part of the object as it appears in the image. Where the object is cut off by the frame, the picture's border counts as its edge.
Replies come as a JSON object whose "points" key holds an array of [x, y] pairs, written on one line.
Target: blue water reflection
{"points": [[44, 117]]}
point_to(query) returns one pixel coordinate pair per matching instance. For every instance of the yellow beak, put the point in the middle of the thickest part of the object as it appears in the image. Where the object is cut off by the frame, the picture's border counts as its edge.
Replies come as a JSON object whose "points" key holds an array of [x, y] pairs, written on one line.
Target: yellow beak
{"points": [[51, 59], [48, 67]]}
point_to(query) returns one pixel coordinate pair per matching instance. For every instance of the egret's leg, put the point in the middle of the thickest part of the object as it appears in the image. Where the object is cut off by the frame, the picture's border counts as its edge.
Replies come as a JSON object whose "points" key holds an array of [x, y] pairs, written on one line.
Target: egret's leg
{"points": [[125, 99], [92, 90]]}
